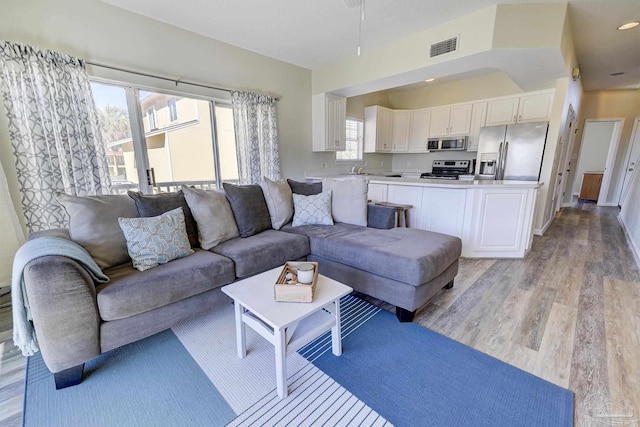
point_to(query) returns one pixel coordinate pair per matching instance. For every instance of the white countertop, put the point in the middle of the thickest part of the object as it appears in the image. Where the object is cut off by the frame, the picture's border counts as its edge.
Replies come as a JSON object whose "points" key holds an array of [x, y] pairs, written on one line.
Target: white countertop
{"points": [[443, 183]]}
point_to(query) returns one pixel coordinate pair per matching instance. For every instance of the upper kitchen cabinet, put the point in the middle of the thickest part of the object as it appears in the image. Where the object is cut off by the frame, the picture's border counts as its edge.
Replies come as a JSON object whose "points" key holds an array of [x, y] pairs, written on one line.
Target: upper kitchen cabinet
{"points": [[531, 107], [378, 129], [453, 120], [329, 122], [419, 130], [478, 119], [401, 121]]}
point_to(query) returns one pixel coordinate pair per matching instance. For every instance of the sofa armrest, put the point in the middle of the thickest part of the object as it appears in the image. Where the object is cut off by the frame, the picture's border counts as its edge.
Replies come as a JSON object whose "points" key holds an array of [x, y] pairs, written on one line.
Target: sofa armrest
{"points": [[382, 217], [54, 232], [62, 299]]}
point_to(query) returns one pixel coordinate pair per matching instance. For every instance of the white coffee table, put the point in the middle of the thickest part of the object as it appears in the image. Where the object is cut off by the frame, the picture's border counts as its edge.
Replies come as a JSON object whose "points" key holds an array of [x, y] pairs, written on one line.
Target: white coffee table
{"points": [[287, 325]]}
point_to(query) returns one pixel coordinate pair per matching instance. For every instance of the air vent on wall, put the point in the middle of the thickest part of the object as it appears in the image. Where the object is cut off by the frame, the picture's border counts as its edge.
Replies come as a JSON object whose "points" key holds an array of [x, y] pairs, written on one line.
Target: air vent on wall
{"points": [[445, 46]]}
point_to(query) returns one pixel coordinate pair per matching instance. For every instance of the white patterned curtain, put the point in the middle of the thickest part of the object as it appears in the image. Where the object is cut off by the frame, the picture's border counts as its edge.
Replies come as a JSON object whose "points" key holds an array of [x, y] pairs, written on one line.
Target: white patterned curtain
{"points": [[254, 118], [53, 126]]}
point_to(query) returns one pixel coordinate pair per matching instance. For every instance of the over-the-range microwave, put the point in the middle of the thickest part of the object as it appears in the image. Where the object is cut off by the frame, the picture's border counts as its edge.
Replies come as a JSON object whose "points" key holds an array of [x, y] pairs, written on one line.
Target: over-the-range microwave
{"points": [[447, 144]]}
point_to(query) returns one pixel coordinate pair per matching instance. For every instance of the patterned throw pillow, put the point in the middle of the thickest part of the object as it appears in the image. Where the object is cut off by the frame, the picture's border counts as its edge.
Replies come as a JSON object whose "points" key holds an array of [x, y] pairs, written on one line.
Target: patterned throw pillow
{"points": [[314, 209], [156, 240]]}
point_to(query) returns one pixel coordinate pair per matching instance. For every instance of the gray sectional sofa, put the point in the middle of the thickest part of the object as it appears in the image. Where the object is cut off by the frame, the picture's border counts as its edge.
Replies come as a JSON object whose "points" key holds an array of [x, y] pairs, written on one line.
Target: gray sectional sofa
{"points": [[76, 320]]}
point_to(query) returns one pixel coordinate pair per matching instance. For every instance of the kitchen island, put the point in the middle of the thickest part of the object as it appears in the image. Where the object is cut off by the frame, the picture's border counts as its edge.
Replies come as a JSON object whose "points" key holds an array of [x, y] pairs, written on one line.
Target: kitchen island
{"points": [[494, 219]]}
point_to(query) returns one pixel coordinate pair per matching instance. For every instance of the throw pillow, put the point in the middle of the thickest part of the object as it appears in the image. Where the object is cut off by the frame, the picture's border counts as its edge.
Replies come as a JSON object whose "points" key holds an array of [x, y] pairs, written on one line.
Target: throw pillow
{"points": [[348, 199], [249, 208], [279, 201], [156, 240], [309, 210], [156, 204], [93, 224], [304, 188], [213, 214]]}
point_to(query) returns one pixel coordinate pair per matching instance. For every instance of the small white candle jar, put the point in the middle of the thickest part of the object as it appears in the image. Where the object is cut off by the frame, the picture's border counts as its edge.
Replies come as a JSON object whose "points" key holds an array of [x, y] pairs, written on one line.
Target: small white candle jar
{"points": [[305, 273]]}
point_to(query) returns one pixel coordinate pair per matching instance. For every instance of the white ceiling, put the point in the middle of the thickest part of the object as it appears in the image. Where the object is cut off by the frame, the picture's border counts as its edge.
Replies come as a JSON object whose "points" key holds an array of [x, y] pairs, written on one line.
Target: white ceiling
{"points": [[312, 33]]}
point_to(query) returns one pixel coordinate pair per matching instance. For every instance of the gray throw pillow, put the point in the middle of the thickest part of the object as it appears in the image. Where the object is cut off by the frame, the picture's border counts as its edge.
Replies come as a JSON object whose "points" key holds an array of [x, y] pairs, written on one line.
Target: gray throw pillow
{"points": [[156, 240], [312, 210], [213, 214], [156, 204], [249, 208], [304, 188], [93, 224], [279, 201], [348, 199]]}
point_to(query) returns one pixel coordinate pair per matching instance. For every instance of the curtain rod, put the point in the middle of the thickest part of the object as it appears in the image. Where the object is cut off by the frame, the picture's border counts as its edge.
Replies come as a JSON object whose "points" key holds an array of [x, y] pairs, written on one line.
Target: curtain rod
{"points": [[176, 81]]}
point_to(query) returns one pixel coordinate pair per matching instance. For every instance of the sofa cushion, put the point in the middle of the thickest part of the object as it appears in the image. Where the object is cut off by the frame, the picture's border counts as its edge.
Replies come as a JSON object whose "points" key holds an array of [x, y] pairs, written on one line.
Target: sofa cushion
{"points": [[157, 239], [304, 188], [279, 201], [132, 292], [93, 224], [315, 209], [403, 254], [212, 212], [249, 208], [156, 204], [348, 199], [263, 251]]}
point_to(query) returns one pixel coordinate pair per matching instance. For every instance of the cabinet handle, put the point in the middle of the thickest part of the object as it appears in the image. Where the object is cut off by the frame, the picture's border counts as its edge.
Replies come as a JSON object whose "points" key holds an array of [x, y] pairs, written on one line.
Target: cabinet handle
{"points": [[520, 117], [515, 119]]}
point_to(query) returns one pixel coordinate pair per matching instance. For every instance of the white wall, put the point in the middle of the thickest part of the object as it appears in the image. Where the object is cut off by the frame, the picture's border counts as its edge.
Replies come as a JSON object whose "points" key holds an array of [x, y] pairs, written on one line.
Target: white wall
{"points": [[630, 215], [593, 153], [98, 32]]}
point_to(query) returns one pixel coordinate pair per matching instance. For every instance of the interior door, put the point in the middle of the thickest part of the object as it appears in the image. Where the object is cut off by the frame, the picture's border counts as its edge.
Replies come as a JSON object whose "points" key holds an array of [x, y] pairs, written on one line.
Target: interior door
{"points": [[564, 149], [633, 161]]}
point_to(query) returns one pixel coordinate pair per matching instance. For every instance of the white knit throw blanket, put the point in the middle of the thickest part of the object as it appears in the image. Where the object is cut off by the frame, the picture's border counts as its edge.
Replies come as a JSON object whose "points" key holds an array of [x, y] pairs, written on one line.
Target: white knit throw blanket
{"points": [[24, 335]]}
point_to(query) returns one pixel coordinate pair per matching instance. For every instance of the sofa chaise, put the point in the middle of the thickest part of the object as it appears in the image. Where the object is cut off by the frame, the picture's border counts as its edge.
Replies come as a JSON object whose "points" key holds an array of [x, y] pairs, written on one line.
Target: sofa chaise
{"points": [[76, 320]]}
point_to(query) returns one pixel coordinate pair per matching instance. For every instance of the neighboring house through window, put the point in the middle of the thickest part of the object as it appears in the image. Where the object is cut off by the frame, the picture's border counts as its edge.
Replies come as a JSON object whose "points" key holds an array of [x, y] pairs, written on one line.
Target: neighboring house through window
{"points": [[151, 114], [354, 141]]}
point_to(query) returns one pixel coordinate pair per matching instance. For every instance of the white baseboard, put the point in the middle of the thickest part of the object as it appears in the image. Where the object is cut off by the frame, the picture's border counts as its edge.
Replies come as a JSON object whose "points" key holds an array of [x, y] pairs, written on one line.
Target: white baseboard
{"points": [[608, 204], [567, 205], [541, 231], [634, 249]]}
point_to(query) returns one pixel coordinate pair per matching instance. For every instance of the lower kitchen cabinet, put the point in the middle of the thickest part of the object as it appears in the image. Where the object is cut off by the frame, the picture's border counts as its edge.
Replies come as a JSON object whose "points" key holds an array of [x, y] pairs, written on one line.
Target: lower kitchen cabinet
{"points": [[377, 192], [443, 210], [407, 195]]}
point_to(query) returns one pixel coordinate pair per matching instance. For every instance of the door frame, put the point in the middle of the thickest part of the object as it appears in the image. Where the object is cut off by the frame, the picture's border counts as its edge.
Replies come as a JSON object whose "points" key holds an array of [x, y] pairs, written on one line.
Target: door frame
{"points": [[567, 140], [611, 155], [634, 133]]}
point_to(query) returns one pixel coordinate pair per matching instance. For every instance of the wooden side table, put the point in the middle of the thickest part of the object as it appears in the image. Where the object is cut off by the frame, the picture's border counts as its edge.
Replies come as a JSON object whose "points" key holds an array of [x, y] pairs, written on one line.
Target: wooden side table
{"points": [[402, 212], [591, 183]]}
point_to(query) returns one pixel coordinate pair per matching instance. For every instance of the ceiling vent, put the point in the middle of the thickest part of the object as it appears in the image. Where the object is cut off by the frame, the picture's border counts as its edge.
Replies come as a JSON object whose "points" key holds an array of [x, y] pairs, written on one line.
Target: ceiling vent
{"points": [[445, 46]]}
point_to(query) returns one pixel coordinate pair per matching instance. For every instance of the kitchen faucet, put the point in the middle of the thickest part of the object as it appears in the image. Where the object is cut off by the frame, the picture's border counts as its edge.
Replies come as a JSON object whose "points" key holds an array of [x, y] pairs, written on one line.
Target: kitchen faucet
{"points": [[354, 171]]}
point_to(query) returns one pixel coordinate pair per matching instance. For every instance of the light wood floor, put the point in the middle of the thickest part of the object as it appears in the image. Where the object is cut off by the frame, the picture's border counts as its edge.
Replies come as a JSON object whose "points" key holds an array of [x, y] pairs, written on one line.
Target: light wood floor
{"points": [[569, 313]]}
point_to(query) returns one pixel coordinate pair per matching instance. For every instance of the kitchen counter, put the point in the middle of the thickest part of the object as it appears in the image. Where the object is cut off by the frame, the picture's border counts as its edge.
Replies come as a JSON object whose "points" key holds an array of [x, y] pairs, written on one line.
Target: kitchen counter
{"points": [[494, 219], [442, 183]]}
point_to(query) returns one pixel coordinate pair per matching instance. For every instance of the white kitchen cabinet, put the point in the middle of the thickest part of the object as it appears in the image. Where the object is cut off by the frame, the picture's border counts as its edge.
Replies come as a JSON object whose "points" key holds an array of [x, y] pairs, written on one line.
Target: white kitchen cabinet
{"points": [[531, 107], [378, 129], [328, 122], [407, 195], [443, 210], [419, 130], [452, 120], [502, 223], [401, 120], [535, 107], [478, 119], [377, 192]]}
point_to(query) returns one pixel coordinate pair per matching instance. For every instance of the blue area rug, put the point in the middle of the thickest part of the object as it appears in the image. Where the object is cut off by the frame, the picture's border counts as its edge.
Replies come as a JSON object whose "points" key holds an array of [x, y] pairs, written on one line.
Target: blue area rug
{"points": [[153, 382], [389, 373], [413, 376]]}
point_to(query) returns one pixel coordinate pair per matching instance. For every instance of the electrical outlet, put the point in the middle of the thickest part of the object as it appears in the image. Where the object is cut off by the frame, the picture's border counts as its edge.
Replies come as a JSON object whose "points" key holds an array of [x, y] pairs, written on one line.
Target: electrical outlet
{"points": [[324, 165], [381, 163]]}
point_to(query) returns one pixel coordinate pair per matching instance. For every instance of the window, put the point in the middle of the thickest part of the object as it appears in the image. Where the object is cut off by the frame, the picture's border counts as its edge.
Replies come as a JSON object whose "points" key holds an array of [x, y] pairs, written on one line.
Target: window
{"points": [[151, 114], [173, 112], [156, 152], [354, 141]]}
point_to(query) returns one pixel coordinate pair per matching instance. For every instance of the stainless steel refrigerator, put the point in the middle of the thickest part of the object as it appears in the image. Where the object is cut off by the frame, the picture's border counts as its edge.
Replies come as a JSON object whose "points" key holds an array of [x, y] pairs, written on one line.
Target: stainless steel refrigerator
{"points": [[517, 150]]}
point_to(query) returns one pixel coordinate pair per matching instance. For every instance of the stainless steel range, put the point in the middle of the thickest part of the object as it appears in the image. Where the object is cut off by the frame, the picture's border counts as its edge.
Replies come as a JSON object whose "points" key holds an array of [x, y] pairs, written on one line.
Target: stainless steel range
{"points": [[447, 169]]}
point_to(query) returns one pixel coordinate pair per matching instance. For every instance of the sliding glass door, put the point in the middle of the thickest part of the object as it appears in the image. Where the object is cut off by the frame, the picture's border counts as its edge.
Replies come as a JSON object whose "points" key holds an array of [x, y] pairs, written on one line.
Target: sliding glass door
{"points": [[172, 140]]}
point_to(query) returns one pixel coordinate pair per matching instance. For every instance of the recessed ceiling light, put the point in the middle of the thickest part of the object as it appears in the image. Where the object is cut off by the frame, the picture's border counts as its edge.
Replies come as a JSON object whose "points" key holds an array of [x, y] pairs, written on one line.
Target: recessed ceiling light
{"points": [[619, 73], [629, 25], [430, 80]]}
